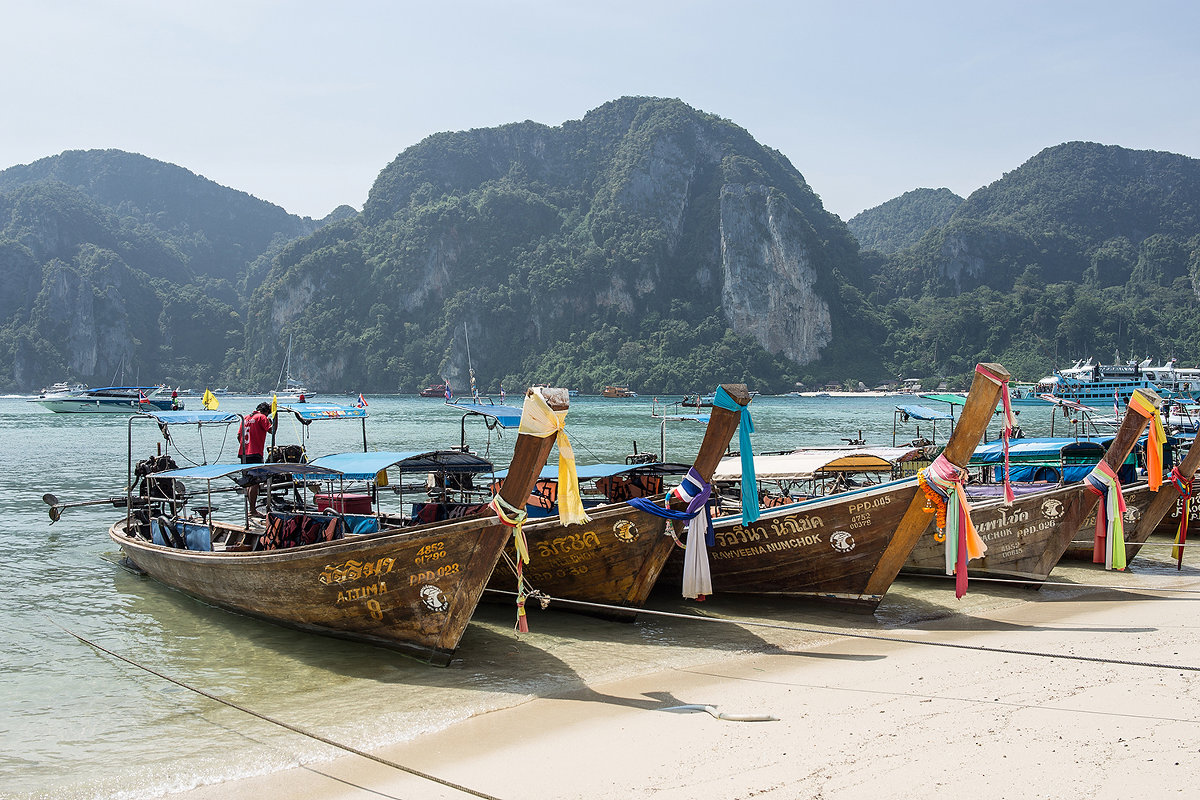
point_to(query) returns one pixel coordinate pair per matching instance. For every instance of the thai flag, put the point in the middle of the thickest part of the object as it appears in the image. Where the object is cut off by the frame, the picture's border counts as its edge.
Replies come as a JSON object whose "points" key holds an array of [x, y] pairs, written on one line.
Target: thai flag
{"points": [[449, 394], [362, 401], [501, 393], [1116, 405], [142, 397]]}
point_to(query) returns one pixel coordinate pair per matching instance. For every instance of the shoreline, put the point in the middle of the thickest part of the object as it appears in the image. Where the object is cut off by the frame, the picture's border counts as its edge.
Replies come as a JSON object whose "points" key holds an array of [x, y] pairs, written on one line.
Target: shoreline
{"points": [[858, 717]]}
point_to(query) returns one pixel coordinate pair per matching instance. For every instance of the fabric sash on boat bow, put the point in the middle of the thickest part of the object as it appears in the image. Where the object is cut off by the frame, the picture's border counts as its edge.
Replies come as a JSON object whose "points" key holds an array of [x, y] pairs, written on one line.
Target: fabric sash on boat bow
{"points": [[1184, 486], [540, 420], [692, 490], [722, 399], [942, 483], [1109, 548]]}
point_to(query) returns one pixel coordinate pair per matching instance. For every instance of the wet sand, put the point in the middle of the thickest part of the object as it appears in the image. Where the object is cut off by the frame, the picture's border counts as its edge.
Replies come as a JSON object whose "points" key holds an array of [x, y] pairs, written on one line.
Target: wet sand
{"points": [[857, 717]]}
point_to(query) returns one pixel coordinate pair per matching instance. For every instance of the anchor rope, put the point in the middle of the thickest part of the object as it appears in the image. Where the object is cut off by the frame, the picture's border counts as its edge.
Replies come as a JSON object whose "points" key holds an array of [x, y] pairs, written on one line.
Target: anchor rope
{"points": [[874, 637], [286, 725]]}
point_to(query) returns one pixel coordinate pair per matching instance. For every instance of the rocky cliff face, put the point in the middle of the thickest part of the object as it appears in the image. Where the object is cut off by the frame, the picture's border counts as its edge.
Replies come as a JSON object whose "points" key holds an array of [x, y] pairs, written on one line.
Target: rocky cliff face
{"points": [[769, 286]]}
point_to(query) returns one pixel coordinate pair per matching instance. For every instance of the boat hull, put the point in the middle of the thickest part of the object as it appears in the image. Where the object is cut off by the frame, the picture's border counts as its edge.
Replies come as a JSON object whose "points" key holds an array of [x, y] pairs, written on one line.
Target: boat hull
{"points": [[613, 560], [67, 405], [1017, 537], [413, 591], [827, 549]]}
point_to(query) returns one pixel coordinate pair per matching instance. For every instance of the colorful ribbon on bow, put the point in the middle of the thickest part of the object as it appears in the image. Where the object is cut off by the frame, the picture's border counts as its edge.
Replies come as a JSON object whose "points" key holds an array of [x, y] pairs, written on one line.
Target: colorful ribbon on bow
{"points": [[515, 519], [1184, 486], [540, 420], [695, 492], [1109, 548], [1155, 441], [721, 399], [942, 483], [1010, 422]]}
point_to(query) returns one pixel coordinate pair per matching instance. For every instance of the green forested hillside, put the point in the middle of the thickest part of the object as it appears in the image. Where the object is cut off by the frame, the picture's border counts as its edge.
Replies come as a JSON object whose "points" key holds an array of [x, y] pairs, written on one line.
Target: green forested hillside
{"points": [[1084, 250], [903, 220], [581, 255], [122, 268], [647, 244]]}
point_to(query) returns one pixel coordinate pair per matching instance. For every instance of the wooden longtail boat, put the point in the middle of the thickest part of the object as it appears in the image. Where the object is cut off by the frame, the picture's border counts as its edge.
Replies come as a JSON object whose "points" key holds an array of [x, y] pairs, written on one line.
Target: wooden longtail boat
{"points": [[846, 548], [1151, 512], [412, 589], [616, 558], [1027, 539]]}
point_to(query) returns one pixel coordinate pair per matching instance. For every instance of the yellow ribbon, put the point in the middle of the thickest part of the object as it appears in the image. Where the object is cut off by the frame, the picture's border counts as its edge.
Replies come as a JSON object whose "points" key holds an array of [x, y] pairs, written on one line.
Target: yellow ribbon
{"points": [[540, 420]]}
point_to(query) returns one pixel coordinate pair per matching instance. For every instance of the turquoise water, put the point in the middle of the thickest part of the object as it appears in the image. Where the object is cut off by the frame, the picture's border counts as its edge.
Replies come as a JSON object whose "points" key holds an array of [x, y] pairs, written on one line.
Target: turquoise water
{"points": [[75, 723]]}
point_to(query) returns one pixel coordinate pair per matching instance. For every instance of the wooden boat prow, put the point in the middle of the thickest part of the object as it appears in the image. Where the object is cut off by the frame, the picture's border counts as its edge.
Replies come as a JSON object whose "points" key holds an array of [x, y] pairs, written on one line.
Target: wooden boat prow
{"points": [[412, 589], [616, 558]]}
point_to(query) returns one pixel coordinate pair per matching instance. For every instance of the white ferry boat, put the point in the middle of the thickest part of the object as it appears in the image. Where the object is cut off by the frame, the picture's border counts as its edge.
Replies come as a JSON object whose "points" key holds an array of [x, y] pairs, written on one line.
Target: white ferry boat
{"points": [[1100, 385]]}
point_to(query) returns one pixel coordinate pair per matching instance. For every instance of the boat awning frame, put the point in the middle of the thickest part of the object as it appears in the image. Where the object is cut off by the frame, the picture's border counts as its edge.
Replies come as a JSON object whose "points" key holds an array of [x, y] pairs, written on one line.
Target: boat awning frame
{"points": [[366, 466]]}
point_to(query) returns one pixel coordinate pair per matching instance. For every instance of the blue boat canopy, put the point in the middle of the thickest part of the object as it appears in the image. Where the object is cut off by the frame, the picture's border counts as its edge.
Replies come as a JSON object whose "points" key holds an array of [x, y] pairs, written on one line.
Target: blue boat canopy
{"points": [[365, 466], [507, 416], [1040, 449], [191, 417], [307, 412], [923, 413], [213, 471]]}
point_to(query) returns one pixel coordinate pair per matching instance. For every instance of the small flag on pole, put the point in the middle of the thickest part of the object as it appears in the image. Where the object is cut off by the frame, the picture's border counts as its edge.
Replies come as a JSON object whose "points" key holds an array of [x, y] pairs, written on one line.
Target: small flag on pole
{"points": [[362, 401], [209, 401], [274, 404], [449, 394], [142, 397]]}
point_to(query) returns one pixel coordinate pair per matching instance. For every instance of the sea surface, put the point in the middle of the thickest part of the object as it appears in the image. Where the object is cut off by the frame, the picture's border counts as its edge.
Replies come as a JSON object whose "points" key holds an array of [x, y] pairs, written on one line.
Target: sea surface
{"points": [[77, 723]]}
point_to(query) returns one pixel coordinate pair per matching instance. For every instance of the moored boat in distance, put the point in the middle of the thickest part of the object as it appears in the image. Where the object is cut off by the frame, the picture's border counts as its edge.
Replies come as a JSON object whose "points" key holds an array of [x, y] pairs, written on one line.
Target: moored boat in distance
{"points": [[434, 390], [1100, 385], [845, 548], [62, 388], [618, 392], [109, 400]]}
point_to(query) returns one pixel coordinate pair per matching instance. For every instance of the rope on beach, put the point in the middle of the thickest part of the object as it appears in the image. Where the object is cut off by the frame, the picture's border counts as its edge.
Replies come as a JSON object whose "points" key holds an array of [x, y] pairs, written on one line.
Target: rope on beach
{"points": [[288, 726], [1065, 585], [875, 637]]}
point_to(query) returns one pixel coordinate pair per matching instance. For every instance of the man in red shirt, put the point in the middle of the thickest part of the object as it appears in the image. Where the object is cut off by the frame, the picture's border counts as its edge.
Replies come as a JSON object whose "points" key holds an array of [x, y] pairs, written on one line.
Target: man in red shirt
{"points": [[252, 439]]}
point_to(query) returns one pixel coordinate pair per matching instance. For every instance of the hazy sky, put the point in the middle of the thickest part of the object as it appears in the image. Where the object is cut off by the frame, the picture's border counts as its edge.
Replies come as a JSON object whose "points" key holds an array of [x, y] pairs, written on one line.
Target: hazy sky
{"points": [[303, 103]]}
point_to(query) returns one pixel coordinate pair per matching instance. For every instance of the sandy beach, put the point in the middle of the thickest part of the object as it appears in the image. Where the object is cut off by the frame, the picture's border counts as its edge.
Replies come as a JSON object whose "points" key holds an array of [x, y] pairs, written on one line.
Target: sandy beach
{"points": [[857, 717]]}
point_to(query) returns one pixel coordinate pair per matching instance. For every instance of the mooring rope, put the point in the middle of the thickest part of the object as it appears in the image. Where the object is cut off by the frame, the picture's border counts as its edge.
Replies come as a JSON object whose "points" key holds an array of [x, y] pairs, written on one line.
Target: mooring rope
{"points": [[870, 636], [286, 725], [1065, 585]]}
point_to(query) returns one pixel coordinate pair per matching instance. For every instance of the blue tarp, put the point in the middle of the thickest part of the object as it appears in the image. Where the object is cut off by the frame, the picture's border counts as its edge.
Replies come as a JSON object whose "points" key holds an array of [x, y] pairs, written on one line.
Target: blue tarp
{"points": [[507, 416], [312, 411], [365, 466], [193, 417], [1043, 448], [923, 413]]}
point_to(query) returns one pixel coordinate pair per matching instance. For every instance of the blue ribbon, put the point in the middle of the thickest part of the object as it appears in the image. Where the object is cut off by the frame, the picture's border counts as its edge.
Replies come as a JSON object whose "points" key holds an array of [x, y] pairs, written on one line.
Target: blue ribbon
{"points": [[721, 399], [647, 505]]}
